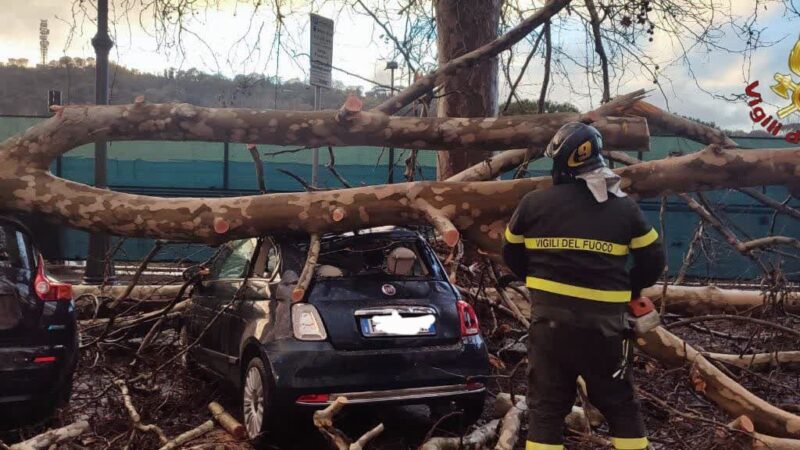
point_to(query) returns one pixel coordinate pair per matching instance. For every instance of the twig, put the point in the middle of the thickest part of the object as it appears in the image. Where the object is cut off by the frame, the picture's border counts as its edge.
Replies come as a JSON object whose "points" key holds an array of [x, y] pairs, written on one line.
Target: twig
{"points": [[262, 186], [522, 72], [548, 56], [707, 318], [598, 47], [136, 419], [194, 433], [303, 182], [332, 167]]}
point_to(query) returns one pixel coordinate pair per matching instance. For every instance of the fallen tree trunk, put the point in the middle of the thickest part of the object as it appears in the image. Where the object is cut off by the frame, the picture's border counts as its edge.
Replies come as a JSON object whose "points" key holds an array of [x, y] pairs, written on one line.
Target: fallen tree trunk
{"points": [[509, 426], [760, 441], [680, 126], [73, 126], [228, 422], [53, 437], [507, 160], [473, 441], [710, 299], [729, 395], [479, 210], [759, 361]]}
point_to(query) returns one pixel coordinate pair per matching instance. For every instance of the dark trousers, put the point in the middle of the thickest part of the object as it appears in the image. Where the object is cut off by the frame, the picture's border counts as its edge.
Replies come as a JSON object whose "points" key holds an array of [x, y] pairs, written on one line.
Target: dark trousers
{"points": [[557, 354]]}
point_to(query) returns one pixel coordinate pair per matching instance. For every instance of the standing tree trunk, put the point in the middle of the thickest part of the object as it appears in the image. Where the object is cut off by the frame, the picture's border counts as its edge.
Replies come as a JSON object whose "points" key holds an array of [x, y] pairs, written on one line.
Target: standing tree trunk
{"points": [[463, 26]]}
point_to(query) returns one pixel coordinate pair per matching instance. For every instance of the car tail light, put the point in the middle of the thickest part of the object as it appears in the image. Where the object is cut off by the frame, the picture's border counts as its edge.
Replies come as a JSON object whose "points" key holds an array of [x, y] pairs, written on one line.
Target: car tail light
{"points": [[44, 359], [50, 290], [313, 398], [469, 320], [307, 324]]}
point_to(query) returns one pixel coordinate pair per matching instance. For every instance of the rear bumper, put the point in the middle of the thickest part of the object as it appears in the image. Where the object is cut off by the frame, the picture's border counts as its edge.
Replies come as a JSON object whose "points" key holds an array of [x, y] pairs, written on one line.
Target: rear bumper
{"points": [[24, 379], [409, 375], [408, 395]]}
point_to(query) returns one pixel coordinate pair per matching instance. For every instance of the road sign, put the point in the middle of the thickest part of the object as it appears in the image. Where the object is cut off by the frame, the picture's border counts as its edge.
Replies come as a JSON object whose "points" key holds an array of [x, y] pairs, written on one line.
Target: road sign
{"points": [[321, 51]]}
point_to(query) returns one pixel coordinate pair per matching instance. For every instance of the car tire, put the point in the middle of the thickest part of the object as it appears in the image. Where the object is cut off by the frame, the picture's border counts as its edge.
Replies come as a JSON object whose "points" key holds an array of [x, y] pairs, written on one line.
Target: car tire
{"points": [[256, 399]]}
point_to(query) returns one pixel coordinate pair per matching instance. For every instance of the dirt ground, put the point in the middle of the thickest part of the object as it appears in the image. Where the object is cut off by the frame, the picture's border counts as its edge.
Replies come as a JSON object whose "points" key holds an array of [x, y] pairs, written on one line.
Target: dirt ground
{"points": [[677, 415]]}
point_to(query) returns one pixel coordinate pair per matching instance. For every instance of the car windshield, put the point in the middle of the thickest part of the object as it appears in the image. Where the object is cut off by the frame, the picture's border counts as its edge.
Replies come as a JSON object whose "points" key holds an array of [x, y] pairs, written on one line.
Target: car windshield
{"points": [[373, 256]]}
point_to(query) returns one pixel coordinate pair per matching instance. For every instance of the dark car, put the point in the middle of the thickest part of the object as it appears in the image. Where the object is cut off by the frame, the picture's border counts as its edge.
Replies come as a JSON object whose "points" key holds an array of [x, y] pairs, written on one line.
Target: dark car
{"points": [[38, 330], [380, 323]]}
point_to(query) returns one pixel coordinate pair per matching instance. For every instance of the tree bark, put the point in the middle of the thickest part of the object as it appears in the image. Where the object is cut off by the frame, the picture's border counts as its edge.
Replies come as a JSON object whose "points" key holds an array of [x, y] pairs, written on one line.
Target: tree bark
{"points": [[712, 299], [461, 27], [53, 437], [759, 361], [680, 126], [502, 162], [73, 126], [478, 210]]}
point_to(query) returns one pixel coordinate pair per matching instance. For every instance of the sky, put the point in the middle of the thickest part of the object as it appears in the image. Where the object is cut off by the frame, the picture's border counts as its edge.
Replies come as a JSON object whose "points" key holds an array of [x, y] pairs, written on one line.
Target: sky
{"points": [[228, 38]]}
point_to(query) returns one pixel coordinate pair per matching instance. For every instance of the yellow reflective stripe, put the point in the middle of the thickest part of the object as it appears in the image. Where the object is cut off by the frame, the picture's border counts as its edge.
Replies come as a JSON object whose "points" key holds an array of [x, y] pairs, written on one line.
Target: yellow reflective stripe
{"points": [[645, 239], [512, 238], [630, 443], [537, 446], [577, 291], [571, 243]]}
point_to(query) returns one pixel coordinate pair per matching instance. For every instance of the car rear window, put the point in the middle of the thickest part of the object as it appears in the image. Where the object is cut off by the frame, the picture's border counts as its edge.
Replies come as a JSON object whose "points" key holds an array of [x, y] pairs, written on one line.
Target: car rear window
{"points": [[371, 257], [15, 249]]}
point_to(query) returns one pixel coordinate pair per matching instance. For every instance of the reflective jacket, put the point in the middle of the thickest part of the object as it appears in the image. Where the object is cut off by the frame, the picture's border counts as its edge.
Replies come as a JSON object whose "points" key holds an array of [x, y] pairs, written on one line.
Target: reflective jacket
{"points": [[572, 251]]}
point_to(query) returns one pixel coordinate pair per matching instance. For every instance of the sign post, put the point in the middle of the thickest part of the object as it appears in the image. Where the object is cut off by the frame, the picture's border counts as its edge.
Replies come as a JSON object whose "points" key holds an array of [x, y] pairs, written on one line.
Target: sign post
{"points": [[321, 56]]}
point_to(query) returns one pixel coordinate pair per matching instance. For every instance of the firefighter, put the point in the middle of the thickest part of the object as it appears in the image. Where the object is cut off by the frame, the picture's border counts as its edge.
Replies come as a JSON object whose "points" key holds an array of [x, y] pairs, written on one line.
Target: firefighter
{"points": [[570, 243]]}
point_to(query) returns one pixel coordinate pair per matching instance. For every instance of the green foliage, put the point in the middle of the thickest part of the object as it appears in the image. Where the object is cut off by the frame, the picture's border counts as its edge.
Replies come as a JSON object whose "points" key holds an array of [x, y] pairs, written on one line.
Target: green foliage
{"points": [[527, 107]]}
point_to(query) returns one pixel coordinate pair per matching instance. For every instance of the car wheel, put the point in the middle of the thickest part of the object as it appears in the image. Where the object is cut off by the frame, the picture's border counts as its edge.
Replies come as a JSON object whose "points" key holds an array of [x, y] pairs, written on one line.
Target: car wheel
{"points": [[255, 398]]}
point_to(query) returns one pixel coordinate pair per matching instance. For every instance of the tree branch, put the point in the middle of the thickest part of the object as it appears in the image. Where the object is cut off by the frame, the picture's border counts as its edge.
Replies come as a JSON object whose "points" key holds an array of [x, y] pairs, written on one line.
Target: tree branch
{"points": [[429, 82]]}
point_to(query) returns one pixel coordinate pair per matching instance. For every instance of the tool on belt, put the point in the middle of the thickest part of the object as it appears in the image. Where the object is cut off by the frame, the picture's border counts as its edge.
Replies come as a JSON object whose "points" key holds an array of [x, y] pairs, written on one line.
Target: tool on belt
{"points": [[643, 315]]}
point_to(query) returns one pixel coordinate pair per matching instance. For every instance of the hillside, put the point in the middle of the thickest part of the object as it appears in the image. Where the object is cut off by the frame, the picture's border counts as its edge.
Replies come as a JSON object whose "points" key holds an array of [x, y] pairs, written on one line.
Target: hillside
{"points": [[23, 91]]}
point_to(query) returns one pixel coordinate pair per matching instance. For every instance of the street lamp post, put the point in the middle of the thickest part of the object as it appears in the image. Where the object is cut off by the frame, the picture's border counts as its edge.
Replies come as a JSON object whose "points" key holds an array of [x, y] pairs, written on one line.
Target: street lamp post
{"points": [[98, 242], [391, 65]]}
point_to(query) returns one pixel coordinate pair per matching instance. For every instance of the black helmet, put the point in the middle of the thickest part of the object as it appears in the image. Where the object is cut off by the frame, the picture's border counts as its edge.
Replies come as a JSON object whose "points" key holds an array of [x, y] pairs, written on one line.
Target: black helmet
{"points": [[576, 148]]}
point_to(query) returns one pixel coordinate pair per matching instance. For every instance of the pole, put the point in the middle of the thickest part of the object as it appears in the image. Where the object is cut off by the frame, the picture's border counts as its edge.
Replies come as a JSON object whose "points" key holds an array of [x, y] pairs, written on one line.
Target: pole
{"points": [[98, 242], [391, 149], [315, 152]]}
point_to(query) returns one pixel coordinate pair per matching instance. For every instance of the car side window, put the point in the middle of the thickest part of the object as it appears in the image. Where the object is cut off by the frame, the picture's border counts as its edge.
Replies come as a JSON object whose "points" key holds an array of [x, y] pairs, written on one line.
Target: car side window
{"points": [[233, 261], [15, 248], [273, 260]]}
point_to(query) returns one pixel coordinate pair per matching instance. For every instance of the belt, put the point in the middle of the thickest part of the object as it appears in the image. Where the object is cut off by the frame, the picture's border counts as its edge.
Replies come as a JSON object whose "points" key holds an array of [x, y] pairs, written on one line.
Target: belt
{"points": [[585, 293]]}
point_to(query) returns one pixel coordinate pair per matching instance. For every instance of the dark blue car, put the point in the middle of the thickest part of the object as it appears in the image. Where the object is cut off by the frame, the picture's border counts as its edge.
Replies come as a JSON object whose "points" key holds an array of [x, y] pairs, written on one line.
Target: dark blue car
{"points": [[380, 323], [38, 331]]}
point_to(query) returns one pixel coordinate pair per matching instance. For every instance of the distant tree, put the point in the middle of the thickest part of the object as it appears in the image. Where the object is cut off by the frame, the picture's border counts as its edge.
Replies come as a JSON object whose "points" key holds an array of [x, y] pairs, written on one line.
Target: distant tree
{"points": [[526, 107]]}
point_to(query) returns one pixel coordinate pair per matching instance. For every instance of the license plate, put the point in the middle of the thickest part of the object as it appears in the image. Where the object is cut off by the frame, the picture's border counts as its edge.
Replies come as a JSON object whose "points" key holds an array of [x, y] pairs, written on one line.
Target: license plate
{"points": [[396, 325]]}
